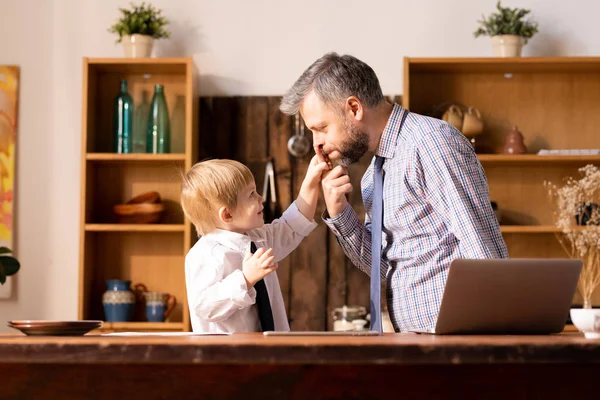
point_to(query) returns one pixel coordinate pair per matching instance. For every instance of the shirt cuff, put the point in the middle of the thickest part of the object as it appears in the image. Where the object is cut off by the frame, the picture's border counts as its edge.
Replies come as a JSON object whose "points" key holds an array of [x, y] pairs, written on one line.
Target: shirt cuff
{"points": [[297, 221], [241, 295], [344, 223]]}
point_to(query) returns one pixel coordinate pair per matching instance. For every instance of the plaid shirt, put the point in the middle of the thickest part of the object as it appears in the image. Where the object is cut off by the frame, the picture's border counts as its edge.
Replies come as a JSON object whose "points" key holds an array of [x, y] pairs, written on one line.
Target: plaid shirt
{"points": [[436, 209]]}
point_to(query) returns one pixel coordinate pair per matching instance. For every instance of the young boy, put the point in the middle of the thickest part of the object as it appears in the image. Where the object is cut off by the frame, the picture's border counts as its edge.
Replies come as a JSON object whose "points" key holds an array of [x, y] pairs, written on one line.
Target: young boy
{"points": [[230, 284]]}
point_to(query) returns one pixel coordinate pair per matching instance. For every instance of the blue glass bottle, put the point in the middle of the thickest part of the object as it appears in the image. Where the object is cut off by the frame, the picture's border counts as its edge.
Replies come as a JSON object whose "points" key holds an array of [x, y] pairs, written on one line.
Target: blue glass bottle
{"points": [[123, 121], [158, 136]]}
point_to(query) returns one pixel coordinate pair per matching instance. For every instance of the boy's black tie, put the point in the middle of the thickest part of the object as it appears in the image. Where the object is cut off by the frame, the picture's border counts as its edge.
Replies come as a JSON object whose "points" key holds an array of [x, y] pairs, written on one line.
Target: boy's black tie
{"points": [[262, 301]]}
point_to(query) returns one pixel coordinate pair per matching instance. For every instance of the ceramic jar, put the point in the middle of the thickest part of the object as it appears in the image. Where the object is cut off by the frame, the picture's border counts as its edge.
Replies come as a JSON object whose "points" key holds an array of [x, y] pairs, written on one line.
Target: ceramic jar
{"points": [[118, 301]]}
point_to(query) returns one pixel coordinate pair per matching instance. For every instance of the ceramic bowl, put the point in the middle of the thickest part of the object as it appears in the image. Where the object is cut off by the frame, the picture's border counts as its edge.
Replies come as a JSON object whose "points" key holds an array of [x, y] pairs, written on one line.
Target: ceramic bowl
{"points": [[587, 320], [140, 213]]}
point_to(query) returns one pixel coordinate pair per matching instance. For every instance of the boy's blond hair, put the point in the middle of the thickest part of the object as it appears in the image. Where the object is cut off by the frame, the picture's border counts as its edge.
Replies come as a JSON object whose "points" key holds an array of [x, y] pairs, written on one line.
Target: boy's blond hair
{"points": [[210, 185]]}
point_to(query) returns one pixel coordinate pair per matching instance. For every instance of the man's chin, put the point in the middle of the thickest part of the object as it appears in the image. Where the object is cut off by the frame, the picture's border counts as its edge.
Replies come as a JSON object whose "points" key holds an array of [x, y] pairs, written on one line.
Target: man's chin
{"points": [[345, 162]]}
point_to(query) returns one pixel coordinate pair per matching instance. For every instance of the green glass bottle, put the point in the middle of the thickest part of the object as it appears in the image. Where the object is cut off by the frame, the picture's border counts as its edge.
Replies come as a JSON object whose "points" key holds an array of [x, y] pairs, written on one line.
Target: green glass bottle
{"points": [[158, 135], [123, 121]]}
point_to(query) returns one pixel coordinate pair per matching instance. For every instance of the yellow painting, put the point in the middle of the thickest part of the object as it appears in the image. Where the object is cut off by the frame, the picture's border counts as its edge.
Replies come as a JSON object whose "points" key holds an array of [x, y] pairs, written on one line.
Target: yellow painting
{"points": [[9, 91]]}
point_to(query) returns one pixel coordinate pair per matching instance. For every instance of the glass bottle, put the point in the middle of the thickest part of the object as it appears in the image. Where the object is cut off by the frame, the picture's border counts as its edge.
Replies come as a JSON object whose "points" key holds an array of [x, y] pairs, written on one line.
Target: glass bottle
{"points": [[123, 121], [158, 135], [140, 122]]}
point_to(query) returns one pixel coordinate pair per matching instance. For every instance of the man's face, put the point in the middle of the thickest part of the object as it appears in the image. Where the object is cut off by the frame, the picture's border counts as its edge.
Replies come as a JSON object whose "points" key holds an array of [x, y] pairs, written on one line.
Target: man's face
{"points": [[340, 136]]}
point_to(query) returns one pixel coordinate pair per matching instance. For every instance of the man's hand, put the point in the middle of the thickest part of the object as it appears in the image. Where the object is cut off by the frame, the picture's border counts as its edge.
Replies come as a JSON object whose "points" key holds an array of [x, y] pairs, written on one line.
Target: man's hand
{"points": [[336, 185]]}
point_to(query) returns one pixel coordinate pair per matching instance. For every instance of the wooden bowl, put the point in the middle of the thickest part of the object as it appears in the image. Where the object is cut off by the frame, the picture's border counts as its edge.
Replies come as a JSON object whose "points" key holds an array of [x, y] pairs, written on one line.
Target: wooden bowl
{"points": [[148, 197], [142, 213]]}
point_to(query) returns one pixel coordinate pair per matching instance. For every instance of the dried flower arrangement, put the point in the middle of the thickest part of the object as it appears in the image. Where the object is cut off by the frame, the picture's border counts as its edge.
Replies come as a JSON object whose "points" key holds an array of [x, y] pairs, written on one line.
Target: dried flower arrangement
{"points": [[577, 216]]}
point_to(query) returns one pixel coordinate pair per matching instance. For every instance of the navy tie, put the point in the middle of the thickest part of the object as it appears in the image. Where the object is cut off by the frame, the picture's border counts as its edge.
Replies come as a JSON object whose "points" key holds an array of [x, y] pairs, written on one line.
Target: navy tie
{"points": [[265, 314], [376, 227]]}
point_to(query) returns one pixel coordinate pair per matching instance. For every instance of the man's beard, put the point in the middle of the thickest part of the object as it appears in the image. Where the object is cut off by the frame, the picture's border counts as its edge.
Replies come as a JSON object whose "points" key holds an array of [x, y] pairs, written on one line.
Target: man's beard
{"points": [[352, 149]]}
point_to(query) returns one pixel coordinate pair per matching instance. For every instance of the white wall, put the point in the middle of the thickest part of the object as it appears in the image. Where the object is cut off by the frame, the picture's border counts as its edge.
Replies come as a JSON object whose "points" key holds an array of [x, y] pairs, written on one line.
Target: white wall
{"points": [[242, 47]]}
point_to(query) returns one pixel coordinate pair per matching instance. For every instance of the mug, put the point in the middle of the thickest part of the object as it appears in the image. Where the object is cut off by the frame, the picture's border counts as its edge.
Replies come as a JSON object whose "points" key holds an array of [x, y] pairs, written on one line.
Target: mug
{"points": [[472, 123], [454, 116], [159, 306]]}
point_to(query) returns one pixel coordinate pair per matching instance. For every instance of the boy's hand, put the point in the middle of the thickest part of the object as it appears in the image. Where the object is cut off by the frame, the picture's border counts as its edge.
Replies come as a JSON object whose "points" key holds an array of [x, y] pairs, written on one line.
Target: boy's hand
{"points": [[314, 173], [258, 265]]}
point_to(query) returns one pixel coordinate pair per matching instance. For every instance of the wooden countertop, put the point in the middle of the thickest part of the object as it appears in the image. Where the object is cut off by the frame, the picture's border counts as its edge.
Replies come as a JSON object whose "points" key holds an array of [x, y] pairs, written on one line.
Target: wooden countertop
{"points": [[254, 348]]}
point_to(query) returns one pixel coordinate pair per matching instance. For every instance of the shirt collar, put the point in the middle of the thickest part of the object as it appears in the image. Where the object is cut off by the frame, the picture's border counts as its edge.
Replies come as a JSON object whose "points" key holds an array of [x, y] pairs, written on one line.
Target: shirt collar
{"points": [[389, 137], [233, 240]]}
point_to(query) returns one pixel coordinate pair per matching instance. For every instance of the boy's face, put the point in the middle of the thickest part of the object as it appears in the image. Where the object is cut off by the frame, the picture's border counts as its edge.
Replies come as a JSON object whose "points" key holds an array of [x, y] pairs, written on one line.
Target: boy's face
{"points": [[248, 214]]}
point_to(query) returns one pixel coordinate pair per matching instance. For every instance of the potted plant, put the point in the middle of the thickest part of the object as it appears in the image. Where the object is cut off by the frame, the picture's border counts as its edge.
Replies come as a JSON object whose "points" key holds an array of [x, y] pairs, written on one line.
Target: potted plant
{"points": [[577, 218], [9, 265], [138, 27], [508, 29]]}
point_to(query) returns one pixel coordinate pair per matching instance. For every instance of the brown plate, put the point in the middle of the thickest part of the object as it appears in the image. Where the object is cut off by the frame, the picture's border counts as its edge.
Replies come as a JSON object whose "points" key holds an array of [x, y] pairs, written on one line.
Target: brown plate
{"points": [[54, 328]]}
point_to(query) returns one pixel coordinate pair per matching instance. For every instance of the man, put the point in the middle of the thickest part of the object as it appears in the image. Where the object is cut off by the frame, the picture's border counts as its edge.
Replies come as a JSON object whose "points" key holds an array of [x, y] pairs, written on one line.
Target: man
{"points": [[436, 204]]}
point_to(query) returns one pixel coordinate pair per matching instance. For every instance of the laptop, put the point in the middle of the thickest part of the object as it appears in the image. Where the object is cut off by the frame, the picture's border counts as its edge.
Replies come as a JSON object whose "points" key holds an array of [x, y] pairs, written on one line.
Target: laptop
{"points": [[507, 296]]}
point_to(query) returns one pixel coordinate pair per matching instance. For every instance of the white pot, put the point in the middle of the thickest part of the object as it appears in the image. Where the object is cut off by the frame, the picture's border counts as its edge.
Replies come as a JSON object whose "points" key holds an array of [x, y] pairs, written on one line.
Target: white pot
{"points": [[507, 45], [137, 46], [587, 320]]}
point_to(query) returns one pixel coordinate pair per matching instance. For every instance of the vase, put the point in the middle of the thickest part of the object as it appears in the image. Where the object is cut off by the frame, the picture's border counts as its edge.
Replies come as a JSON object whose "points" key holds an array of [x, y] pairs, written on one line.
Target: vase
{"points": [[123, 121], [514, 142], [118, 301], [137, 46], [507, 45], [158, 135], [587, 320]]}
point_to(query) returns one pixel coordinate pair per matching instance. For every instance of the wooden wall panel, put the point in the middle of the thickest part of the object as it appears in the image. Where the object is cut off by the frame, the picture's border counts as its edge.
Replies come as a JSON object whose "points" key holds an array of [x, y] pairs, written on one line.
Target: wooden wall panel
{"points": [[317, 277]]}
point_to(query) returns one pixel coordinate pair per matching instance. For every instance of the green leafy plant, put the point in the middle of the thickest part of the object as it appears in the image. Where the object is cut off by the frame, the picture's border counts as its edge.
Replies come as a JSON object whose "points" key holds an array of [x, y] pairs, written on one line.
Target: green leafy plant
{"points": [[142, 20], [8, 264], [507, 21]]}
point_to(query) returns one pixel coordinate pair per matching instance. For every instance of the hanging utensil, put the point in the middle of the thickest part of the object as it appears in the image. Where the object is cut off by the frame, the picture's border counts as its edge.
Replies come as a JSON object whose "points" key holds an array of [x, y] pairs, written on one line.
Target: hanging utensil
{"points": [[271, 210], [299, 145]]}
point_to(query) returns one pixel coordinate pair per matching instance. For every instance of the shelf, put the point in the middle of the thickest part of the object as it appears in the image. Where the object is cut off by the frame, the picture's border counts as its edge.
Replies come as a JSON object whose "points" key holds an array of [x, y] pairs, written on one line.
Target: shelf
{"points": [[534, 158], [504, 65], [139, 157], [532, 228], [143, 326], [140, 65], [528, 229], [134, 227]]}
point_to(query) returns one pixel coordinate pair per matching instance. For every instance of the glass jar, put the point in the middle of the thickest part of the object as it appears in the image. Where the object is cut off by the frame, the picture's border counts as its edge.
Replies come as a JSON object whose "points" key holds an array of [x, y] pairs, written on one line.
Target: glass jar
{"points": [[343, 317]]}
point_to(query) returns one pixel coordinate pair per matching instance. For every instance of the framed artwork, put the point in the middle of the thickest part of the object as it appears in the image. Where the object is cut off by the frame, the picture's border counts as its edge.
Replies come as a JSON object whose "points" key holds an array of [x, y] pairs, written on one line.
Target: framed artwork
{"points": [[9, 92]]}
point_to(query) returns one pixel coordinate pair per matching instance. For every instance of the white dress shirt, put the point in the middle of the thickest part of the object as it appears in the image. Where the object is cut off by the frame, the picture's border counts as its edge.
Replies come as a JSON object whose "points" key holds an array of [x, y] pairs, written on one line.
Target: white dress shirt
{"points": [[218, 297]]}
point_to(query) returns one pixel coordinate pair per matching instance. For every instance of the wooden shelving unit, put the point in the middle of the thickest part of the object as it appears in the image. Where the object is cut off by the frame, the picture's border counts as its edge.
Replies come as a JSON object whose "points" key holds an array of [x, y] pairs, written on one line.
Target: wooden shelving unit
{"points": [[554, 101], [152, 254]]}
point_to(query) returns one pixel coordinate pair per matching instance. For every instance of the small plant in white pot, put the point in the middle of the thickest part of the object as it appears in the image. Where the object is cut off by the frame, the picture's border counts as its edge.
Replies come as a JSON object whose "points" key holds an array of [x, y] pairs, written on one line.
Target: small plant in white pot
{"points": [[577, 217], [138, 27], [508, 29]]}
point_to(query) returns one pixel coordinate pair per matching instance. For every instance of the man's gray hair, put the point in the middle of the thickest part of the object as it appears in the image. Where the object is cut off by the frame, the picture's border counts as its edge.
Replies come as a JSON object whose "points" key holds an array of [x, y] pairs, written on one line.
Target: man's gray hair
{"points": [[334, 78]]}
